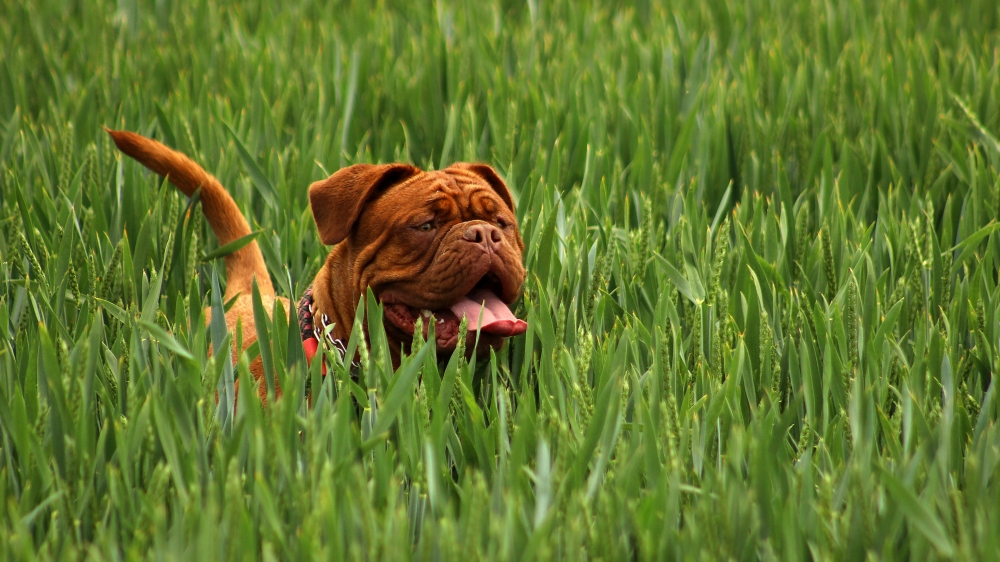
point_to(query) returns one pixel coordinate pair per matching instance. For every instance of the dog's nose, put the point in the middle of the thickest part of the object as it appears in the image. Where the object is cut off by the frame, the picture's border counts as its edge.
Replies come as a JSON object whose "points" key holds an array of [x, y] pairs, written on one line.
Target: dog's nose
{"points": [[483, 234]]}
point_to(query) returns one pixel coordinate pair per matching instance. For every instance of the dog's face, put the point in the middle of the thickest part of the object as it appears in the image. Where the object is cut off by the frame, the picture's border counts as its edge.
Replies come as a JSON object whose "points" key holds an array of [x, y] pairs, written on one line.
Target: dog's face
{"points": [[438, 245]]}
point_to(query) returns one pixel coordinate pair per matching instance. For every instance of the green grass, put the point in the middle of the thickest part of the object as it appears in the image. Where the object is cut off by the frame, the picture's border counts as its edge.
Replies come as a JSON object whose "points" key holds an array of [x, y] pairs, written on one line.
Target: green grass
{"points": [[762, 249]]}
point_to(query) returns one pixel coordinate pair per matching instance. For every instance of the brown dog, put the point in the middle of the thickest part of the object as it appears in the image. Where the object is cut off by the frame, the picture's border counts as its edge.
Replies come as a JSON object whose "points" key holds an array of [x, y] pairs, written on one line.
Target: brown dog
{"points": [[442, 245]]}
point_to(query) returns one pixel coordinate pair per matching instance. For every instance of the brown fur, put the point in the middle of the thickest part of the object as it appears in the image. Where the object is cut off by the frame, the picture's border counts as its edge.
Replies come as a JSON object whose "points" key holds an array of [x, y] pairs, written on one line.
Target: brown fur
{"points": [[371, 214]]}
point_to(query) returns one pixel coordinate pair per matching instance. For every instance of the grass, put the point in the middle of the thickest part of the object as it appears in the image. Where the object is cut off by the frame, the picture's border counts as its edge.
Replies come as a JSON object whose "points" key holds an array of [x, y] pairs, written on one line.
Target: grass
{"points": [[762, 244]]}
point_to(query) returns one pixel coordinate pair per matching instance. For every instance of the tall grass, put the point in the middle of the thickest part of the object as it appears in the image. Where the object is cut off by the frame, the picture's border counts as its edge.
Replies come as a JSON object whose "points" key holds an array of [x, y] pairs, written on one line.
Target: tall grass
{"points": [[763, 300]]}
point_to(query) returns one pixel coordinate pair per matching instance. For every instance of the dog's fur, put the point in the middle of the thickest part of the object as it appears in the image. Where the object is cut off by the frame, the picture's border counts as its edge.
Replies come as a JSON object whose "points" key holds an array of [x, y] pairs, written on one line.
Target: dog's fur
{"points": [[420, 240]]}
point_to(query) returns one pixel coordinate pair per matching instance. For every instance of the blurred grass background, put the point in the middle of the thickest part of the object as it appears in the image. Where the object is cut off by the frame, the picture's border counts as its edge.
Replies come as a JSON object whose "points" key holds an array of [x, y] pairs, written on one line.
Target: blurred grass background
{"points": [[762, 251]]}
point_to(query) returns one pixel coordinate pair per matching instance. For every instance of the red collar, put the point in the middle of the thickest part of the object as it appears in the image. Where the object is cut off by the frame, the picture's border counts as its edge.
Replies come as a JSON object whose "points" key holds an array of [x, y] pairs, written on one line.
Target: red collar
{"points": [[311, 333]]}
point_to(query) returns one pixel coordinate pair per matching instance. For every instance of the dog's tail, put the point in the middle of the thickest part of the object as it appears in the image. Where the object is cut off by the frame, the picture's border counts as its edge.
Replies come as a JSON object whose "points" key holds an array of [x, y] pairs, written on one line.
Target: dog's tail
{"points": [[221, 211]]}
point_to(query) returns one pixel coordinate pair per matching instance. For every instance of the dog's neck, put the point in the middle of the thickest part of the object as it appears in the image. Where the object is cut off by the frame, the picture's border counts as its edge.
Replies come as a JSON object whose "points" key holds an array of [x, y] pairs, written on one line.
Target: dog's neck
{"points": [[338, 301], [333, 299]]}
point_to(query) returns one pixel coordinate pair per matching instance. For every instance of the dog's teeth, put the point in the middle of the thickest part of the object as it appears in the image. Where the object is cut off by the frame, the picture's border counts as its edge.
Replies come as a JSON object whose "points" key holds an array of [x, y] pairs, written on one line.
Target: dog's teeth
{"points": [[426, 313], [440, 321]]}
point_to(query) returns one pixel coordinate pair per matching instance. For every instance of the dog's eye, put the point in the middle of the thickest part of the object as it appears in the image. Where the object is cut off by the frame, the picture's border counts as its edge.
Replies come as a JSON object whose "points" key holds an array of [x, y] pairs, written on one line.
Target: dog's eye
{"points": [[426, 227], [501, 222]]}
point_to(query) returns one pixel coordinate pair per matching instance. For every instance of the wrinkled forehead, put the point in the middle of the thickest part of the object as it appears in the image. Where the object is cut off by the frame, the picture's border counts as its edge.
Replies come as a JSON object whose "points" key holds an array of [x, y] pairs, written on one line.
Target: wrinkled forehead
{"points": [[455, 191]]}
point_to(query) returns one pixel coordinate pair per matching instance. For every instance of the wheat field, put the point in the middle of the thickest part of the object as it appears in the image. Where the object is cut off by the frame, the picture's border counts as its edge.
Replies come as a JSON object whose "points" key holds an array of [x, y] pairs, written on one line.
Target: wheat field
{"points": [[763, 305]]}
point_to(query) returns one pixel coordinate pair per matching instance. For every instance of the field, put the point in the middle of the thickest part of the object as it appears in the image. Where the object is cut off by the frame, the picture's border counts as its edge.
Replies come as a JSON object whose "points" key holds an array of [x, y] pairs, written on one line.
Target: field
{"points": [[762, 243]]}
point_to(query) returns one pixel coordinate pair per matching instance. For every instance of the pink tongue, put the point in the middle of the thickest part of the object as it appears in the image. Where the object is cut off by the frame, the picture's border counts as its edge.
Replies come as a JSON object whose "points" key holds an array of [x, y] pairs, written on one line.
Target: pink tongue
{"points": [[496, 316]]}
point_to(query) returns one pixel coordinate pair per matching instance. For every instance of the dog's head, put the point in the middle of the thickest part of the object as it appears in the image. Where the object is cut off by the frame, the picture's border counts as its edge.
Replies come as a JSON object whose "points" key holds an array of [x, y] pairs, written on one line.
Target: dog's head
{"points": [[438, 245]]}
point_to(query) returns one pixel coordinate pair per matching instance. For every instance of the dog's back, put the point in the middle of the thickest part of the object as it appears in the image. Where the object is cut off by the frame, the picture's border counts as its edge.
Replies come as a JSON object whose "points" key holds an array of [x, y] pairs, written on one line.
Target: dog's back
{"points": [[228, 223]]}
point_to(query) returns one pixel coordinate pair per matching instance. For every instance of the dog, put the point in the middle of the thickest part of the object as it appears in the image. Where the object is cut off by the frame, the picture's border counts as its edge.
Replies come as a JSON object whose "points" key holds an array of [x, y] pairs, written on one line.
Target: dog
{"points": [[438, 246]]}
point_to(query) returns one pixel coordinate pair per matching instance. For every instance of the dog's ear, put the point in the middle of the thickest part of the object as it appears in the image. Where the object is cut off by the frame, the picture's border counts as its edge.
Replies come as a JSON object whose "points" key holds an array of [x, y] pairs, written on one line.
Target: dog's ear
{"points": [[489, 175], [337, 201]]}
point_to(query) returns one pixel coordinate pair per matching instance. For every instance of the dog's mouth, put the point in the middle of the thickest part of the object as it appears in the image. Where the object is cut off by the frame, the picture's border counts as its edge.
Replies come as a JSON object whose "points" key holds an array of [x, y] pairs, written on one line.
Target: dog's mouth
{"points": [[481, 306]]}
